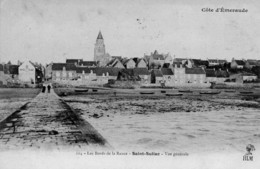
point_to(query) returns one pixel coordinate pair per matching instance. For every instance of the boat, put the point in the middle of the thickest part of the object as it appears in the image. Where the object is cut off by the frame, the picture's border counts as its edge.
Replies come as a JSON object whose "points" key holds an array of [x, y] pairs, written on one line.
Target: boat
{"points": [[146, 92], [230, 91], [81, 90], [246, 92], [210, 92], [185, 91], [163, 91], [94, 90], [174, 94]]}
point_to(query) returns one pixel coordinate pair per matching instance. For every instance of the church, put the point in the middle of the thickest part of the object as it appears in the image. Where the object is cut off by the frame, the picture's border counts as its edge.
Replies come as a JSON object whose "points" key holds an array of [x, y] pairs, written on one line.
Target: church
{"points": [[100, 55]]}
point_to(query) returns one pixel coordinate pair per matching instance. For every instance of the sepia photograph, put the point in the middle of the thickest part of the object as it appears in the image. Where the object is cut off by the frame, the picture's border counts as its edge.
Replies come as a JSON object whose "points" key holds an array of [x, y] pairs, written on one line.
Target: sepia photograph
{"points": [[129, 84]]}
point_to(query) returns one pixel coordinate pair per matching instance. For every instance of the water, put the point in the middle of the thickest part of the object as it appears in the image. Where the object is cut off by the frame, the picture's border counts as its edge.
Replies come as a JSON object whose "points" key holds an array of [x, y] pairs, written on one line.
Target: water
{"points": [[217, 129]]}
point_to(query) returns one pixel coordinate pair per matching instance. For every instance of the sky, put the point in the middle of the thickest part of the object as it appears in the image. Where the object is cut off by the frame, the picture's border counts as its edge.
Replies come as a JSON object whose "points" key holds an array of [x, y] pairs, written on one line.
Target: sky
{"points": [[47, 31]]}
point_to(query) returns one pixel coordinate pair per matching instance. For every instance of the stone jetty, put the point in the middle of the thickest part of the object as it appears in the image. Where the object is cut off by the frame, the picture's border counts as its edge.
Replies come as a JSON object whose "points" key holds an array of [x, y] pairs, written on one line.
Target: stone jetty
{"points": [[47, 122]]}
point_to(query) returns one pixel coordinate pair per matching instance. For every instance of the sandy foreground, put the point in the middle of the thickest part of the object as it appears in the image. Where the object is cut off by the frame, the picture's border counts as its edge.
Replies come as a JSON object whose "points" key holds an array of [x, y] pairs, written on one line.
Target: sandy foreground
{"points": [[187, 124]]}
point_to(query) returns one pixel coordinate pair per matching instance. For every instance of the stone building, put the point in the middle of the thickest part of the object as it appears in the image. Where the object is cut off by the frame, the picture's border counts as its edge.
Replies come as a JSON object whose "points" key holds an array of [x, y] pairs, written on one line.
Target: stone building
{"points": [[222, 75], [168, 76], [8, 73], [179, 73], [129, 63], [155, 60], [98, 75], [27, 72], [157, 76], [216, 62], [87, 64], [48, 72], [100, 55], [63, 72], [168, 58], [250, 63], [74, 61], [195, 63], [211, 75], [140, 63], [116, 63], [85, 74], [195, 75], [237, 64], [144, 74]]}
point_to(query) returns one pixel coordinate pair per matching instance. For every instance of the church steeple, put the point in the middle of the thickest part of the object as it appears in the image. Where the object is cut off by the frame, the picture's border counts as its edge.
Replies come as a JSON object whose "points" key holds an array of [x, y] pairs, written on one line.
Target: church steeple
{"points": [[100, 50], [100, 35], [100, 54]]}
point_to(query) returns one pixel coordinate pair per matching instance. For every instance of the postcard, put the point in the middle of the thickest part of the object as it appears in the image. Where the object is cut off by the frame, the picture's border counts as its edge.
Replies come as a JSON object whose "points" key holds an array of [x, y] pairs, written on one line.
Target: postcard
{"points": [[129, 84]]}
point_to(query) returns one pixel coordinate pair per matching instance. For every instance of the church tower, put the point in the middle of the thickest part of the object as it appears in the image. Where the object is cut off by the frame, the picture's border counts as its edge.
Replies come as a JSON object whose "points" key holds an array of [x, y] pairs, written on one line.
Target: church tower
{"points": [[100, 50]]}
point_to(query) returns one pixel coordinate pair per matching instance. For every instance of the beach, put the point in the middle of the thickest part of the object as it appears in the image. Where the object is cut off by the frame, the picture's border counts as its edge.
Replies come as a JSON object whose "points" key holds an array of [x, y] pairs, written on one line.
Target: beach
{"points": [[191, 123]]}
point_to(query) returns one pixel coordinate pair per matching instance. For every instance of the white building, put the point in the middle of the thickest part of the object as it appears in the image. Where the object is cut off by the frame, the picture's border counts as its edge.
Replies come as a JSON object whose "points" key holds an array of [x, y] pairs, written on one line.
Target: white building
{"points": [[27, 72]]}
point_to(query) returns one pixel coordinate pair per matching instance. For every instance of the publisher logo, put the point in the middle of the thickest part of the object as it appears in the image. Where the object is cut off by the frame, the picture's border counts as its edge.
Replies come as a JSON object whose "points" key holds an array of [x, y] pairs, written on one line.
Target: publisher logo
{"points": [[249, 155]]}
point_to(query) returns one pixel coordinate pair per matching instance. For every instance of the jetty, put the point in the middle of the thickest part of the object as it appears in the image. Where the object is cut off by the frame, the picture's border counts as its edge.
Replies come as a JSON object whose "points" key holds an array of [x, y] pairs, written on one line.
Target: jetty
{"points": [[48, 122]]}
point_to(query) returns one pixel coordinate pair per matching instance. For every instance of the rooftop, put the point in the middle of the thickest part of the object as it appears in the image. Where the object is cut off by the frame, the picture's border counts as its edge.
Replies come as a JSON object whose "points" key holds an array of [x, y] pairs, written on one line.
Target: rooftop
{"points": [[194, 71], [166, 71], [157, 73], [60, 66]]}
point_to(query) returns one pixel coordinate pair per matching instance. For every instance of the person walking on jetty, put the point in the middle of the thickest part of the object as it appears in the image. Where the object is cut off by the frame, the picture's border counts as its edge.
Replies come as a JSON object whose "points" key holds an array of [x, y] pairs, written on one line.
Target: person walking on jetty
{"points": [[49, 88], [43, 89]]}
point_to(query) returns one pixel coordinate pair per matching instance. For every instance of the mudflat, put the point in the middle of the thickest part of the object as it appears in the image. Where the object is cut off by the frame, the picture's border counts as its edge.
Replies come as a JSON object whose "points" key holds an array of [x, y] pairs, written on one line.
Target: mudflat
{"points": [[191, 123]]}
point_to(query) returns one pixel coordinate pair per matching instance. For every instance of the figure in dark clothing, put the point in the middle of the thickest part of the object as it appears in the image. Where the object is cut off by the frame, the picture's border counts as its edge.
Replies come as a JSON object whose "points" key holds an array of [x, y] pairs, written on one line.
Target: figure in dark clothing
{"points": [[43, 89], [49, 88]]}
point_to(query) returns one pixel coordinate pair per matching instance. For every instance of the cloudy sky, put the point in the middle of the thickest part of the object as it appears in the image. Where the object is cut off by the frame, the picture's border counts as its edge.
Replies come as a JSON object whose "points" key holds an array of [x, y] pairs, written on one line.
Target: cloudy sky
{"points": [[53, 30]]}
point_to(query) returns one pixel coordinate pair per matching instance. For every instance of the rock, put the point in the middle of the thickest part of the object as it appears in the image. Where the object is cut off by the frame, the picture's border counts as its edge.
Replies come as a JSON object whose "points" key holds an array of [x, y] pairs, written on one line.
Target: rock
{"points": [[14, 119], [95, 115], [53, 132], [9, 124]]}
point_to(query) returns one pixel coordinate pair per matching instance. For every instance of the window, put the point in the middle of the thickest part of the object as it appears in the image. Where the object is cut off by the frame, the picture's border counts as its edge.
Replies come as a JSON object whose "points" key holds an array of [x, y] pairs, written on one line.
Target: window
{"points": [[58, 74]]}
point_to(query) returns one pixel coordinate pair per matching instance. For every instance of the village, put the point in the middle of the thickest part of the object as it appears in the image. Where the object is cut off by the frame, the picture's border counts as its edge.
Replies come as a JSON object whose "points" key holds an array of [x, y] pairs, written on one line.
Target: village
{"points": [[155, 69], [82, 104], [129, 84]]}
